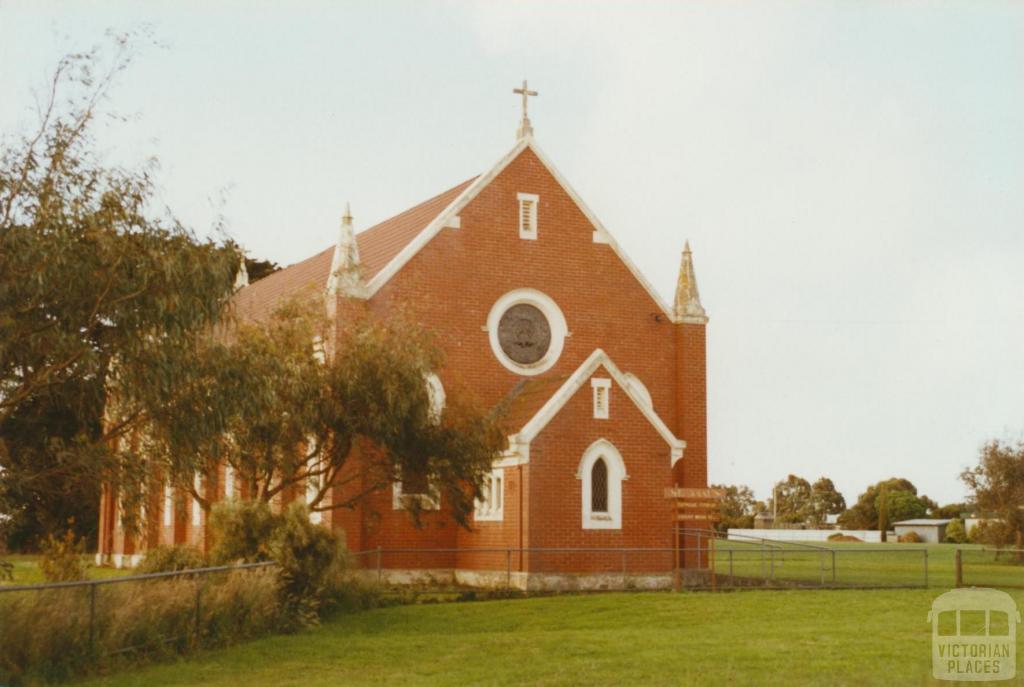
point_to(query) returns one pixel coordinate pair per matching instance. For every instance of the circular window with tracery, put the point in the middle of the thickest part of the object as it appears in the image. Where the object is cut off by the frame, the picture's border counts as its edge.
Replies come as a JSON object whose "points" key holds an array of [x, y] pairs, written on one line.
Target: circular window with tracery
{"points": [[527, 331], [524, 333]]}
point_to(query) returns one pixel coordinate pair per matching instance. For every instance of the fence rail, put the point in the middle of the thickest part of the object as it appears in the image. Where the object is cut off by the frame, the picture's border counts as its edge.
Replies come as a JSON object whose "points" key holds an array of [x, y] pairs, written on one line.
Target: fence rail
{"points": [[990, 567], [180, 607], [726, 563]]}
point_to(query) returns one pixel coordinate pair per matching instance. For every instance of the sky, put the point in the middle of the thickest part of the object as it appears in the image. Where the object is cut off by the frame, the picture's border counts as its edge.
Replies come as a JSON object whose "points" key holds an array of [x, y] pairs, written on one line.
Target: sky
{"points": [[850, 176]]}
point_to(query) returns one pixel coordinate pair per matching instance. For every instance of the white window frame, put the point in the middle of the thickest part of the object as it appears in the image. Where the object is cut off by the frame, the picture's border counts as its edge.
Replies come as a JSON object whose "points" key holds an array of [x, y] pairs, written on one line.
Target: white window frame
{"points": [[229, 482], [533, 200], [556, 322], [168, 504], [491, 508], [197, 508], [313, 484], [602, 397], [612, 520], [428, 501], [436, 395]]}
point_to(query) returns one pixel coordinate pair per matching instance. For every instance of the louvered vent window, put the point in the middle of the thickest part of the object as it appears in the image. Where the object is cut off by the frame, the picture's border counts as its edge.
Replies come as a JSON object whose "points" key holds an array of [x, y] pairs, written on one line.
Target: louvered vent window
{"points": [[528, 203], [602, 388], [599, 487]]}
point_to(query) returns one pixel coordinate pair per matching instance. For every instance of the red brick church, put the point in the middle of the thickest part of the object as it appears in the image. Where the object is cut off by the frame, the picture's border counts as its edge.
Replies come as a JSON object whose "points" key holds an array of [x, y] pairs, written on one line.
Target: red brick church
{"points": [[537, 307]]}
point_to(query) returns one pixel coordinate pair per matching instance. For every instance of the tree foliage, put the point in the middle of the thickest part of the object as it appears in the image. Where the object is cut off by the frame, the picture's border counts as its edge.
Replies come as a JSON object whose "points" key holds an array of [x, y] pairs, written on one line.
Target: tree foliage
{"points": [[890, 501], [955, 532], [997, 483], [800, 502], [825, 500], [791, 500], [737, 508], [270, 400], [98, 292]]}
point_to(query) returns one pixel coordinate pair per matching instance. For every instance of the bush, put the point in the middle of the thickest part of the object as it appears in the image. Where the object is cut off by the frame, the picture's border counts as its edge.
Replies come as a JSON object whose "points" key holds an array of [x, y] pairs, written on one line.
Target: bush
{"points": [[955, 532], [311, 559], [910, 538], [171, 559], [840, 537], [45, 635], [995, 533], [61, 559], [242, 531]]}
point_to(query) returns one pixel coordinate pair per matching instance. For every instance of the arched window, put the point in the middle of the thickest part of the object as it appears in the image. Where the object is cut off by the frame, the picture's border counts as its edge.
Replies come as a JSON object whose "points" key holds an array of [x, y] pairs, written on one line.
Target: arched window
{"points": [[599, 487], [601, 473]]}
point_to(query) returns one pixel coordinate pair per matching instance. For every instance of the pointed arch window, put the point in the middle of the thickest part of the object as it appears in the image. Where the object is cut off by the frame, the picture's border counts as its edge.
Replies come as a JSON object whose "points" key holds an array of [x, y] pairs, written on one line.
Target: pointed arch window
{"points": [[599, 487], [601, 473]]}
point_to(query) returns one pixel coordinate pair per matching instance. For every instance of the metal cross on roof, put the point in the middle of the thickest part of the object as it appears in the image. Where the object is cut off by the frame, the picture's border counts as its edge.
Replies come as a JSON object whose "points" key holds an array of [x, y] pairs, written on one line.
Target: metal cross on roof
{"points": [[525, 129]]}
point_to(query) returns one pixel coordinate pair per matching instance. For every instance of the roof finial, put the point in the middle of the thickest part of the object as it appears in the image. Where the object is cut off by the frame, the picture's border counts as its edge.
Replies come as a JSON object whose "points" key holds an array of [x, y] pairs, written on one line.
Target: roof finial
{"points": [[525, 128], [242, 276], [345, 274], [687, 306]]}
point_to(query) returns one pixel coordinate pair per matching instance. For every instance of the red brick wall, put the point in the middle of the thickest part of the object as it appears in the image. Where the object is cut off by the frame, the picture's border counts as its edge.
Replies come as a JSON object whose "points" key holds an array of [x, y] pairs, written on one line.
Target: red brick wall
{"points": [[454, 280], [555, 518], [691, 405]]}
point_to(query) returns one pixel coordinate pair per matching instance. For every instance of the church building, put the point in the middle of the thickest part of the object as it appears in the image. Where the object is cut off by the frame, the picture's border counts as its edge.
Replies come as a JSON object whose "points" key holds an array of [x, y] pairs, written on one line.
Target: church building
{"points": [[536, 307]]}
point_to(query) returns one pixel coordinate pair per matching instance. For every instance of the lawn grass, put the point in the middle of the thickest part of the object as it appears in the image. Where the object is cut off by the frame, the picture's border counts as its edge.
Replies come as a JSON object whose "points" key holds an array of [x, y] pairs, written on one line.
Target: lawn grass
{"points": [[894, 565], [793, 637], [26, 570]]}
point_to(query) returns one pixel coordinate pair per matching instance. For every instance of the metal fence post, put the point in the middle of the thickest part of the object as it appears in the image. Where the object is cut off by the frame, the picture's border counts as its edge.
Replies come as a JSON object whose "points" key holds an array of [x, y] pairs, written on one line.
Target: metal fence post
{"points": [[732, 582], [92, 619], [926, 568], [821, 567], [958, 557], [379, 573], [772, 553], [199, 593], [833, 566], [624, 584], [508, 569]]}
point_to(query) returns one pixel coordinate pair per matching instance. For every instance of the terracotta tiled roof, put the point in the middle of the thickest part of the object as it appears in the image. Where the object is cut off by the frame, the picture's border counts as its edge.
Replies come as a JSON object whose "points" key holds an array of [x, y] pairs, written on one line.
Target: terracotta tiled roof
{"points": [[377, 246]]}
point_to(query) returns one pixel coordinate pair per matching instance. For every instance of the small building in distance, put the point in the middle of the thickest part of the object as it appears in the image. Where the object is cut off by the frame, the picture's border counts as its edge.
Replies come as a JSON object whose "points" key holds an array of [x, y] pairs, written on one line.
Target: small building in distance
{"points": [[931, 530]]}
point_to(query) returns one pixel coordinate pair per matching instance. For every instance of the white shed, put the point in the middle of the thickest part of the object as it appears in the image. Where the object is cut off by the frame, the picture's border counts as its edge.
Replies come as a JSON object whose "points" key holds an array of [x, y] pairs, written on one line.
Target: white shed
{"points": [[931, 530]]}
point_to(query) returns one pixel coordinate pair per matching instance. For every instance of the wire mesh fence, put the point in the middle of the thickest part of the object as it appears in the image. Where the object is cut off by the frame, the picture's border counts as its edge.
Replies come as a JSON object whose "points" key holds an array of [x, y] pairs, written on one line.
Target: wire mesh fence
{"points": [[65, 625], [702, 564], [990, 567]]}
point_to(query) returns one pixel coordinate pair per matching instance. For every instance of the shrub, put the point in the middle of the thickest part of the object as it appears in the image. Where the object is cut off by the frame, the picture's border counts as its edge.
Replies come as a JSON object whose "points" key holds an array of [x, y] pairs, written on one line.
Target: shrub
{"points": [[910, 538], [171, 559], [61, 559], [995, 533], [45, 635], [955, 532], [242, 531], [840, 537], [309, 556]]}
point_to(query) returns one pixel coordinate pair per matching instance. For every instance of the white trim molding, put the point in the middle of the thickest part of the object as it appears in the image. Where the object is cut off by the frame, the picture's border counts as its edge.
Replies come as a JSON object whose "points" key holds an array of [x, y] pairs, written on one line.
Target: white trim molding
{"points": [[436, 396], [640, 388], [610, 519], [556, 323], [529, 204], [602, 387], [576, 380], [428, 501], [491, 508], [447, 218]]}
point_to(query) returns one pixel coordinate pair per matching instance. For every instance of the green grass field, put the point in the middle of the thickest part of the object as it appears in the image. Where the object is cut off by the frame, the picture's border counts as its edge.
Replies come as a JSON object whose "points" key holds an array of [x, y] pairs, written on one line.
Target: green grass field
{"points": [[793, 637], [867, 564], [26, 570], [775, 637]]}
